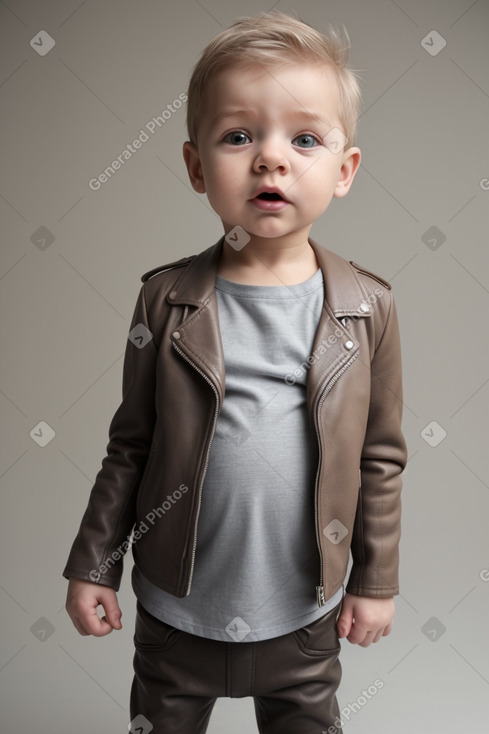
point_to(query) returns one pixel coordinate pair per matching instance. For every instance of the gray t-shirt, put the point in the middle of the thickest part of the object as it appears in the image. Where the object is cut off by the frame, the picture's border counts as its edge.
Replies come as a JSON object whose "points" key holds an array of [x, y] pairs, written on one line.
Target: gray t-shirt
{"points": [[257, 562]]}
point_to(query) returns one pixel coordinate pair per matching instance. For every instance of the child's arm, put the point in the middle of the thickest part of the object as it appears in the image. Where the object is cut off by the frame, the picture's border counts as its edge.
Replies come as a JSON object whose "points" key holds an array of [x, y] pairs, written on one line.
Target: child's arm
{"points": [[82, 600], [103, 536], [368, 606]]}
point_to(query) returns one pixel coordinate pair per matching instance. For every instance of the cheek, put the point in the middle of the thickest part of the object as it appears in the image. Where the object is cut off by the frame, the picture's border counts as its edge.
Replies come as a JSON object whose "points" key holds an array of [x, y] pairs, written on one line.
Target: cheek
{"points": [[322, 196], [219, 187], [219, 176], [326, 183]]}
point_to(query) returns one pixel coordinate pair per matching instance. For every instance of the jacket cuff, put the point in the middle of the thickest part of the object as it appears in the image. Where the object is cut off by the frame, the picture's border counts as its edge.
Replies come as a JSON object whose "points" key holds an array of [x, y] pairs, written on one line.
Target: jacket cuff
{"points": [[375, 592], [113, 582]]}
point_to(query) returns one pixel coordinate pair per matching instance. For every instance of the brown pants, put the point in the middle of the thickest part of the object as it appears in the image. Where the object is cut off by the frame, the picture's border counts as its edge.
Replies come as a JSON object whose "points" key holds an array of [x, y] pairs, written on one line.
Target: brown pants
{"points": [[292, 678]]}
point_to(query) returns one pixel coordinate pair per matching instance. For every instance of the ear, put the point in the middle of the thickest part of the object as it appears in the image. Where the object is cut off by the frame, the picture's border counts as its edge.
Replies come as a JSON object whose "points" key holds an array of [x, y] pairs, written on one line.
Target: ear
{"points": [[194, 167], [349, 167]]}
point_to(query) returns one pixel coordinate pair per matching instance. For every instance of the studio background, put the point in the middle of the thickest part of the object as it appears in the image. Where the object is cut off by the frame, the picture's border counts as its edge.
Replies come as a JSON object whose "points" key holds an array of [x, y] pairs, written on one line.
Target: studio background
{"points": [[71, 260]]}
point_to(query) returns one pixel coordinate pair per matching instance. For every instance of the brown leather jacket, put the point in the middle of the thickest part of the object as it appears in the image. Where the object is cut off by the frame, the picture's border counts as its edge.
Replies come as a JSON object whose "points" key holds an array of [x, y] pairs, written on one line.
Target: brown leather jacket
{"points": [[150, 483]]}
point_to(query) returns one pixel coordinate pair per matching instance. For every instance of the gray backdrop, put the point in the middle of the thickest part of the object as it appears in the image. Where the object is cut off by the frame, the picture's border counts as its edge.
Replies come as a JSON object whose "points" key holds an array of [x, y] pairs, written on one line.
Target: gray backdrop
{"points": [[72, 257]]}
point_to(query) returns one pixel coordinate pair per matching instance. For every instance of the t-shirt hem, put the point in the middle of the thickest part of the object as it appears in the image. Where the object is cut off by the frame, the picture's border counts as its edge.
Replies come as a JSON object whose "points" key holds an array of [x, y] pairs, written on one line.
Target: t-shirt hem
{"points": [[221, 634]]}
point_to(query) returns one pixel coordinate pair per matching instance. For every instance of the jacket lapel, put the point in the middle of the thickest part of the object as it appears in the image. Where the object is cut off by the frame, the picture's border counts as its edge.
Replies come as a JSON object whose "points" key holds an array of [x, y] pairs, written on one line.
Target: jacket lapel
{"points": [[334, 346], [199, 334], [200, 337]]}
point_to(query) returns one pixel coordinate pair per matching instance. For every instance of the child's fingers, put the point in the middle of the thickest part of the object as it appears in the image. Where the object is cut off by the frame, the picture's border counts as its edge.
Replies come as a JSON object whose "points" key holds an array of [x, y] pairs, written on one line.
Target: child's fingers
{"points": [[112, 610], [387, 630], [345, 620], [92, 624], [360, 635], [82, 604]]}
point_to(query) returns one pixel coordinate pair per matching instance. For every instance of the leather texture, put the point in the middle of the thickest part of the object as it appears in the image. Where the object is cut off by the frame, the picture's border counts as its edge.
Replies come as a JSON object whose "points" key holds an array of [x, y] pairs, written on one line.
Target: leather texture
{"points": [[173, 388], [293, 678]]}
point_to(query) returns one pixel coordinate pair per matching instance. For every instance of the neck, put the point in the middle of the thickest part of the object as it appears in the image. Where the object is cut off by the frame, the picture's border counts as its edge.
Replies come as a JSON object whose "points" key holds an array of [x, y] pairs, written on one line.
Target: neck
{"points": [[269, 261]]}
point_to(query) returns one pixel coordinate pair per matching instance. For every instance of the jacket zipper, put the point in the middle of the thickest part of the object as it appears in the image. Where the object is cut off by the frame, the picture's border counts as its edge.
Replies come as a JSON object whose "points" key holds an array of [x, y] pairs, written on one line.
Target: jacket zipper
{"points": [[192, 563], [320, 589]]}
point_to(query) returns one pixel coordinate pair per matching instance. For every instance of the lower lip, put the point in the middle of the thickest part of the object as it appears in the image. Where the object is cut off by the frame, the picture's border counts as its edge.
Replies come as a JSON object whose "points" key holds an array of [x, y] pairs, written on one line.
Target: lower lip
{"points": [[269, 205]]}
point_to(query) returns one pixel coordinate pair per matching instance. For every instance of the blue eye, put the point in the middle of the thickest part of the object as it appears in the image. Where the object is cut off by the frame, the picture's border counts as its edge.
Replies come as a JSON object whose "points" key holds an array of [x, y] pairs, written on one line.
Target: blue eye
{"points": [[307, 139], [236, 134]]}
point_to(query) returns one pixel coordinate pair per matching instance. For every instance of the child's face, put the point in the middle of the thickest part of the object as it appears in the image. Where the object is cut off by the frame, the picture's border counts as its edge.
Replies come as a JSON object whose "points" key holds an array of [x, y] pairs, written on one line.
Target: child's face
{"points": [[256, 133]]}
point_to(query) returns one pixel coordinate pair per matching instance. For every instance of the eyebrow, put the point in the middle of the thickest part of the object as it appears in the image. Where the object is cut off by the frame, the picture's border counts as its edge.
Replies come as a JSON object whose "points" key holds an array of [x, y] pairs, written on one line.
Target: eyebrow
{"points": [[309, 114], [229, 113]]}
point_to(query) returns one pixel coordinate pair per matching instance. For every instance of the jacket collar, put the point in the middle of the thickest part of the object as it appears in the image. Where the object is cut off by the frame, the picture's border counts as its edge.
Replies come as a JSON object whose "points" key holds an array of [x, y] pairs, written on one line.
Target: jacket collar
{"points": [[344, 292]]}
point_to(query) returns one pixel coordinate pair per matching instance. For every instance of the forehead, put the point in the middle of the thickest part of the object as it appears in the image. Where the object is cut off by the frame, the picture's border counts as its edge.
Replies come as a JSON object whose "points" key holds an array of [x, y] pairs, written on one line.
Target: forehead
{"points": [[272, 91]]}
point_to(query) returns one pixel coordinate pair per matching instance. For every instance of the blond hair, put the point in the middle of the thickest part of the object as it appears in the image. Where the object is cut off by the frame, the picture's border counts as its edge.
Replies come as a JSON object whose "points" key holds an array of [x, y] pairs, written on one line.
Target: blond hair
{"points": [[271, 39]]}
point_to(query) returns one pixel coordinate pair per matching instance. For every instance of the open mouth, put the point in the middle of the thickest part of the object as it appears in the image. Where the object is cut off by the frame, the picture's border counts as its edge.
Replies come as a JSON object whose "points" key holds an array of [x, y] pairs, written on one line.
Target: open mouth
{"points": [[270, 201], [270, 197]]}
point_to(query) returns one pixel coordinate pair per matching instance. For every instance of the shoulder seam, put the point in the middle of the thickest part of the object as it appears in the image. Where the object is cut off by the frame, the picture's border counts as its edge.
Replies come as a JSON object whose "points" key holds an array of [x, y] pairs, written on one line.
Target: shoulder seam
{"points": [[376, 277], [168, 266]]}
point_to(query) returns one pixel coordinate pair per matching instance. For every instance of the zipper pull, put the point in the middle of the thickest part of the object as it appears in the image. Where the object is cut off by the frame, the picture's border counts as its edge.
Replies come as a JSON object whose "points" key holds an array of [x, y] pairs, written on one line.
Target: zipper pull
{"points": [[320, 596]]}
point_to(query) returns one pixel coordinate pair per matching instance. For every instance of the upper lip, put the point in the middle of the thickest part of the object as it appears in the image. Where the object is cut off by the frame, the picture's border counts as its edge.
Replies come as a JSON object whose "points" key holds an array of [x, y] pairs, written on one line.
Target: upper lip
{"points": [[269, 190]]}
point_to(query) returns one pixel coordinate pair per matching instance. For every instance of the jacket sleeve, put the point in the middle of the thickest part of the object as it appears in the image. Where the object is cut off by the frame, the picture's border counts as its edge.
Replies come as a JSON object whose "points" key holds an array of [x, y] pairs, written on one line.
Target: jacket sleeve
{"points": [[96, 554], [377, 528]]}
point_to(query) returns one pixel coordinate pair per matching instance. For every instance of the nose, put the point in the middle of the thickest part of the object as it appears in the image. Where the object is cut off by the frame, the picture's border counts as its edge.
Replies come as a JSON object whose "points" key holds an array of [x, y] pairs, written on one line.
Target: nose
{"points": [[271, 155]]}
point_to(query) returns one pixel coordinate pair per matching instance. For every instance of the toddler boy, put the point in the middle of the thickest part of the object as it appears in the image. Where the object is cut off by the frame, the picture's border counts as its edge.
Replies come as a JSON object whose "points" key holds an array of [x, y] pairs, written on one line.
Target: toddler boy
{"points": [[259, 438]]}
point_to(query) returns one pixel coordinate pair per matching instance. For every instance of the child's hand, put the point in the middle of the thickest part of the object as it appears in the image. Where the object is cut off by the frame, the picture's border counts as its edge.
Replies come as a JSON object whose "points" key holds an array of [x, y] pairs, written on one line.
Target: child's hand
{"points": [[82, 600], [365, 619]]}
